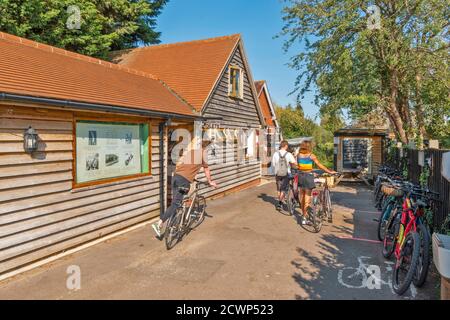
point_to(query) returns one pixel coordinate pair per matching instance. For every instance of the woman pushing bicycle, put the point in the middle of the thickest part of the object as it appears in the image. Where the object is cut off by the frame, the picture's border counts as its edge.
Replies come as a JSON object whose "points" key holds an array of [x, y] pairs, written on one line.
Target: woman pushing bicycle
{"points": [[305, 160]]}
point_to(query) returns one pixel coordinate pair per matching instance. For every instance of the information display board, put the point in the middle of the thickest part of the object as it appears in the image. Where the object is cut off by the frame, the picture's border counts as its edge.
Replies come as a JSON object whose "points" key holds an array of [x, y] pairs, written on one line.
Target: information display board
{"points": [[109, 150], [355, 153]]}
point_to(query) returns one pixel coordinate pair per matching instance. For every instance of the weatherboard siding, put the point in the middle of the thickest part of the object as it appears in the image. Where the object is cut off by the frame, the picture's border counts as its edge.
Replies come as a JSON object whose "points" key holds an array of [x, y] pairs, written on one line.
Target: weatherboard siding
{"points": [[236, 114], [40, 212]]}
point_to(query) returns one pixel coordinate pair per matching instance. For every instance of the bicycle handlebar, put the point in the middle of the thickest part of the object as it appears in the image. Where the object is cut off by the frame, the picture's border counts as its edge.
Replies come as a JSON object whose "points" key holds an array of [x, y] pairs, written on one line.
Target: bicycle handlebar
{"points": [[201, 182]]}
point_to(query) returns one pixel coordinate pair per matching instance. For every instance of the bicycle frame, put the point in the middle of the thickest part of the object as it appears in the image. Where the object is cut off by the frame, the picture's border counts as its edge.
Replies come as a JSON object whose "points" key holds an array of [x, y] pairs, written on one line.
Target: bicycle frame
{"points": [[294, 185], [187, 213], [408, 222]]}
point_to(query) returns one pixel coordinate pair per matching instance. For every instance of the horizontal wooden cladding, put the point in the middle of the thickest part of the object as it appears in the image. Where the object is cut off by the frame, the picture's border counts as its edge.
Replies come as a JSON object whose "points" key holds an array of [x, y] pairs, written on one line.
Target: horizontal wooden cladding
{"points": [[26, 192], [7, 135], [231, 175], [18, 112], [43, 146], [34, 180], [235, 113], [73, 242], [40, 213], [37, 168], [28, 219], [39, 157], [6, 123], [63, 199], [100, 227], [229, 184], [40, 234]]}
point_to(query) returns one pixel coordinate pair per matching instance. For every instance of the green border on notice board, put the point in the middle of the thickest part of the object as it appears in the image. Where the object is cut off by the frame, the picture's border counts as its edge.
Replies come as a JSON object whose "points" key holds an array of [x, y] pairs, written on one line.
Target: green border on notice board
{"points": [[144, 133]]}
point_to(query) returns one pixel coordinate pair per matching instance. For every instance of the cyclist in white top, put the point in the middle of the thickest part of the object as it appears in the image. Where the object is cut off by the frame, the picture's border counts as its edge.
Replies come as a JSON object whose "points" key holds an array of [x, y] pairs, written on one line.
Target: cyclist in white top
{"points": [[281, 163]]}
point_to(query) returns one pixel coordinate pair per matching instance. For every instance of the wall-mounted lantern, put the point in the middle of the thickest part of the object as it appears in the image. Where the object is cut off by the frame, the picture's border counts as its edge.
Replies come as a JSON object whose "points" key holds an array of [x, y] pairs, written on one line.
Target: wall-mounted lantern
{"points": [[30, 140]]}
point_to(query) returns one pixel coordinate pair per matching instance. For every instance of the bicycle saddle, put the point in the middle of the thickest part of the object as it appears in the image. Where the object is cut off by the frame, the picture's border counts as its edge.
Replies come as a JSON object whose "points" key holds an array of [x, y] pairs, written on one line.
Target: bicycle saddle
{"points": [[420, 203], [184, 190]]}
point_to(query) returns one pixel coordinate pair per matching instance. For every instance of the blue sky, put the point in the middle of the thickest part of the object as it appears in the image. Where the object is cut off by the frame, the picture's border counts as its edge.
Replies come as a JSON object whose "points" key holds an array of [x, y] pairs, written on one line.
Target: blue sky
{"points": [[257, 20]]}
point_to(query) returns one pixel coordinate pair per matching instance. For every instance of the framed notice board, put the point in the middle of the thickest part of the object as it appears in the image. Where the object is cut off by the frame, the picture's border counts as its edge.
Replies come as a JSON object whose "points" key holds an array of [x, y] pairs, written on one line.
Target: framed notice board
{"points": [[356, 153]]}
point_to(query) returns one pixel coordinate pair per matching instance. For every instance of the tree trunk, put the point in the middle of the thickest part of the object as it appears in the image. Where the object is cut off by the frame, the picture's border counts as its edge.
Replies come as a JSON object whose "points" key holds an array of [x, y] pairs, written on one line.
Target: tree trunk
{"points": [[419, 113], [393, 109]]}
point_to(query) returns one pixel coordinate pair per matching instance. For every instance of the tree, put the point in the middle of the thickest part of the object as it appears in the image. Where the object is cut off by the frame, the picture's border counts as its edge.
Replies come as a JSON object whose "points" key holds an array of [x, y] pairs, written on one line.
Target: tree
{"points": [[294, 124], [397, 66], [105, 25]]}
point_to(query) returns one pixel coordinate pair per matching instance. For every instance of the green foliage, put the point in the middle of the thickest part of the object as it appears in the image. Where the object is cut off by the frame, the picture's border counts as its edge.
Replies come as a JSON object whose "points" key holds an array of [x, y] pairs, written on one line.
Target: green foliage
{"points": [[429, 217], [424, 175], [445, 228], [399, 71], [105, 24], [294, 124]]}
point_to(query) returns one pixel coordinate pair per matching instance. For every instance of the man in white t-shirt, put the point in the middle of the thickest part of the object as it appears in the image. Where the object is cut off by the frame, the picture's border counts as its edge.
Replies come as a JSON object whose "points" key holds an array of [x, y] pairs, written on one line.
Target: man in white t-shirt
{"points": [[281, 163]]}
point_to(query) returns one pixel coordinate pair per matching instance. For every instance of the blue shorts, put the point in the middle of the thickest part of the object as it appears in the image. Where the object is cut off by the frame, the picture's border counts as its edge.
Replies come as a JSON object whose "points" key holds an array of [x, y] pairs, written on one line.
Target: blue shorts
{"points": [[306, 180]]}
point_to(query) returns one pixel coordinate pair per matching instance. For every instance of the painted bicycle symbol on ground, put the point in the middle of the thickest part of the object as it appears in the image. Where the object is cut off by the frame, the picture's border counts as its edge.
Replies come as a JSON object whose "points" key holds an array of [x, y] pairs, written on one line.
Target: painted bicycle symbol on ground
{"points": [[369, 276]]}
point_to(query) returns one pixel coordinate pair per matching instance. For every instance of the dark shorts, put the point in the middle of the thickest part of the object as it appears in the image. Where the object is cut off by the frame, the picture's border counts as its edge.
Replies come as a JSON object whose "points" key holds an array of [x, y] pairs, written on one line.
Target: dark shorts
{"points": [[306, 180], [282, 183]]}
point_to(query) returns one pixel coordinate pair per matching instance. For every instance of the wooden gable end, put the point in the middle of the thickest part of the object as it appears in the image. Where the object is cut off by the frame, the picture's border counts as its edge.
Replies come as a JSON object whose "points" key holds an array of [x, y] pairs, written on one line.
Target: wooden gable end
{"points": [[234, 112]]}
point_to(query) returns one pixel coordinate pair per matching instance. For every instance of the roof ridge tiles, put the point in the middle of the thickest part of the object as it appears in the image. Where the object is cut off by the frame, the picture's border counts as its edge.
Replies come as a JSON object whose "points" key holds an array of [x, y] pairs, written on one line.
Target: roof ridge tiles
{"points": [[56, 50], [165, 45]]}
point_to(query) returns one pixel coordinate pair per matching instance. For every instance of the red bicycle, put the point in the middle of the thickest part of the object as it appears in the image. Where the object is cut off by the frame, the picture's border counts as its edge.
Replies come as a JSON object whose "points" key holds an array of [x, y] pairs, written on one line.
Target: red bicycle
{"points": [[403, 238]]}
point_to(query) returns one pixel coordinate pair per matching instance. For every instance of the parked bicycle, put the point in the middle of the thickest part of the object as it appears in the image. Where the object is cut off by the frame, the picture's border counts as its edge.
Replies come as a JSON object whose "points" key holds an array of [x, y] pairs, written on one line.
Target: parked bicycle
{"points": [[189, 215], [405, 233]]}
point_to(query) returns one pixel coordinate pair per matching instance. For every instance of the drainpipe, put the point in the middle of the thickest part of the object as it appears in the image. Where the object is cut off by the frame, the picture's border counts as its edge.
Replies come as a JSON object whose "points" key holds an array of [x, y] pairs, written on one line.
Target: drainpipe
{"points": [[162, 126]]}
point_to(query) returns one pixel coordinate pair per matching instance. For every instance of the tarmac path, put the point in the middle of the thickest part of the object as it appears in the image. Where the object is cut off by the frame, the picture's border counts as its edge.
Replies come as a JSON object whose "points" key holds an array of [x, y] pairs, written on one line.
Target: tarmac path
{"points": [[245, 249]]}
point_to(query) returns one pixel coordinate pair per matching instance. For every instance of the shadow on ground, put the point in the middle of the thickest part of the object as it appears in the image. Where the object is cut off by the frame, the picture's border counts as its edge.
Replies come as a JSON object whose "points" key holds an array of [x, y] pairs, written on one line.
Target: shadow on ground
{"points": [[336, 267]]}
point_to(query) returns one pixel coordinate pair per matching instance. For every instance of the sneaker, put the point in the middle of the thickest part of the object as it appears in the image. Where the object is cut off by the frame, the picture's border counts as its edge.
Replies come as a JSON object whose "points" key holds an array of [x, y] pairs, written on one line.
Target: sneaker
{"points": [[157, 230], [305, 221], [279, 205]]}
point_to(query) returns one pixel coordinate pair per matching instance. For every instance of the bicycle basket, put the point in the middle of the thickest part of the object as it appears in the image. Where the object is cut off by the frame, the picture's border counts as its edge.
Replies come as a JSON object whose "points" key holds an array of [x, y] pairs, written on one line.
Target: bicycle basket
{"points": [[330, 181], [391, 191]]}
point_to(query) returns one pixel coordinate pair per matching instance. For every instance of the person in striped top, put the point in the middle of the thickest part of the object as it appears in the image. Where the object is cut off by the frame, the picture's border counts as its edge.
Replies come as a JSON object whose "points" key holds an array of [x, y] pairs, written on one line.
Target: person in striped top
{"points": [[305, 161]]}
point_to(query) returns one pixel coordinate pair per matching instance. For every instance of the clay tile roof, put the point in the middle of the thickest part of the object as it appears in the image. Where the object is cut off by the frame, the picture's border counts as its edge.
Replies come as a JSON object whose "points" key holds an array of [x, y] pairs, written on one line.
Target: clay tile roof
{"points": [[259, 85], [34, 69], [190, 68]]}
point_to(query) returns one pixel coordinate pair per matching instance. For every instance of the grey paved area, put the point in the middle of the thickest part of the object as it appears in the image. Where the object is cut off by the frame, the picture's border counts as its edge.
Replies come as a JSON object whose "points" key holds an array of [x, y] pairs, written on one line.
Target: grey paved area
{"points": [[244, 250]]}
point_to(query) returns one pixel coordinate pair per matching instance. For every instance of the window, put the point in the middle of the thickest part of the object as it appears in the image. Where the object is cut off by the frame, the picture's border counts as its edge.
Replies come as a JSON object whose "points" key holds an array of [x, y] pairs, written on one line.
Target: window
{"points": [[106, 150], [247, 144], [251, 145], [236, 84]]}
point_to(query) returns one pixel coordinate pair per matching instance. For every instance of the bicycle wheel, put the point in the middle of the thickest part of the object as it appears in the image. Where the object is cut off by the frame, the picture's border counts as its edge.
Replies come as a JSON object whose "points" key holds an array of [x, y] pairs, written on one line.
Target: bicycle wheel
{"points": [[405, 267], [290, 202], [378, 195], [390, 237], [327, 205], [314, 213], [198, 212], [173, 232], [381, 199], [383, 220], [424, 256], [376, 191]]}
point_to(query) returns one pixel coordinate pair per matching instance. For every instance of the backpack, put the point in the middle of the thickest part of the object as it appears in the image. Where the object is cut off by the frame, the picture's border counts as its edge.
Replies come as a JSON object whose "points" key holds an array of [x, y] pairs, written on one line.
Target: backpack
{"points": [[282, 165]]}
